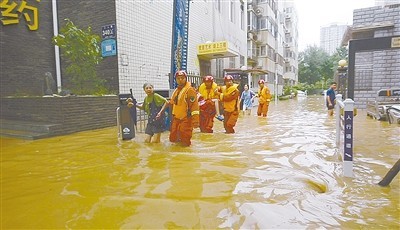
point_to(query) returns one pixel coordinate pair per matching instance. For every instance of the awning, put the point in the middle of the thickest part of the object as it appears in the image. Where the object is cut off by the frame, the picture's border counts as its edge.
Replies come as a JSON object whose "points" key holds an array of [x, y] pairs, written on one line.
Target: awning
{"points": [[252, 71], [214, 50], [256, 71]]}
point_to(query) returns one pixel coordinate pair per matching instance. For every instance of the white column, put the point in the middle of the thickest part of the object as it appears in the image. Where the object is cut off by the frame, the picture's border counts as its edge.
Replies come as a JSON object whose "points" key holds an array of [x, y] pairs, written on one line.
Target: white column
{"points": [[56, 48]]}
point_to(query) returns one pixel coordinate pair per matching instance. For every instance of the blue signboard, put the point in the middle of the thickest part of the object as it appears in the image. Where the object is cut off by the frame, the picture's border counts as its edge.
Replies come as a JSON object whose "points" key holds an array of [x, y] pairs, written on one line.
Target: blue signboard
{"points": [[108, 31], [108, 48], [348, 135]]}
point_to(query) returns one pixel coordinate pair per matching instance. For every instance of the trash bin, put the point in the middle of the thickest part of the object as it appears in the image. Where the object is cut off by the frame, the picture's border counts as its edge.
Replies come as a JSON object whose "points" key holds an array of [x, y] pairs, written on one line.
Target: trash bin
{"points": [[125, 118]]}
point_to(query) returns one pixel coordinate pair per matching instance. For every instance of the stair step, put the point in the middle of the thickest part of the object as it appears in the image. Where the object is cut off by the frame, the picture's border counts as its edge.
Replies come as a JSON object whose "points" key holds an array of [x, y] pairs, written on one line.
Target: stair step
{"points": [[27, 129], [29, 135], [39, 127]]}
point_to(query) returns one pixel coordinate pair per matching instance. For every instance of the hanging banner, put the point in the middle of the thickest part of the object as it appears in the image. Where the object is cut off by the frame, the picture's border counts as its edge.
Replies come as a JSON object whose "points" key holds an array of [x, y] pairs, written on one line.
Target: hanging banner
{"points": [[180, 27]]}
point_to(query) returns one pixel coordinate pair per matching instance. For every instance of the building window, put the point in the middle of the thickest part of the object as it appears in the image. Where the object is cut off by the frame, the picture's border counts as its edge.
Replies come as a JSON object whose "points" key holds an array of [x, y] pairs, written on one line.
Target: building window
{"points": [[271, 53], [232, 62], [220, 67], [242, 26], [262, 51], [242, 61], [251, 21], [231, 11]]}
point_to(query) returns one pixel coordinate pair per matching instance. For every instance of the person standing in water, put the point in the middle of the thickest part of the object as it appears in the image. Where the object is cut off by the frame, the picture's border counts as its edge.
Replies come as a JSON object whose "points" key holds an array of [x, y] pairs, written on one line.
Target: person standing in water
{"points": [[229, 95], [152, 105], [264, 97], [207, 103], [185, 111], [247, 98], [330, 98]]}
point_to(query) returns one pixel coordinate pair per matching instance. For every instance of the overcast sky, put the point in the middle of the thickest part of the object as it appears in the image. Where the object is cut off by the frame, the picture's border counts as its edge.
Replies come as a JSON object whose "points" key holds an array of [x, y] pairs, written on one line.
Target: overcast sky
{"points": [[314, 14]]}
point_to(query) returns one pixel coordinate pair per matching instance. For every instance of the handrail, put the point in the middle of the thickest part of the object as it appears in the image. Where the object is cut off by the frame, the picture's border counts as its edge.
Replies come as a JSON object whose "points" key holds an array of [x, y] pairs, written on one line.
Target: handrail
{"points": [[344, 123]]}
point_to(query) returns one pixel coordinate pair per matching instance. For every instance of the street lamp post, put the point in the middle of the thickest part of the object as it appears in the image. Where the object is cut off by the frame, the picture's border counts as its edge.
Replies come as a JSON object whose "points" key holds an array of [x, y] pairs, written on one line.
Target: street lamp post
{"points": [[342, 77]]}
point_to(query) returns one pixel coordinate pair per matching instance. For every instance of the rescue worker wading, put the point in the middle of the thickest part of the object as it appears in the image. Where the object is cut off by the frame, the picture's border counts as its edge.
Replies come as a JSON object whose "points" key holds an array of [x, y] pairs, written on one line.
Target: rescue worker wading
{"points": [[207, 105], [185, 110], [230, 98], [264, 97]]}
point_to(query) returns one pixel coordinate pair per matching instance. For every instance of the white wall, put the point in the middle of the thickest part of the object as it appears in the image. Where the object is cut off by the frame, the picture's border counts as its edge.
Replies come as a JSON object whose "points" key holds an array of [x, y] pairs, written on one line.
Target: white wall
{"points": [[144, 31]]}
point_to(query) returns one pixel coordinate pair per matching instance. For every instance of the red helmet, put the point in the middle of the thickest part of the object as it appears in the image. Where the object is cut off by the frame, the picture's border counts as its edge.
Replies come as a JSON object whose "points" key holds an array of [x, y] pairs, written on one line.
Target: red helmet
{"points": [[228, 77], [208, 78], [261, 81], [181, 73]]}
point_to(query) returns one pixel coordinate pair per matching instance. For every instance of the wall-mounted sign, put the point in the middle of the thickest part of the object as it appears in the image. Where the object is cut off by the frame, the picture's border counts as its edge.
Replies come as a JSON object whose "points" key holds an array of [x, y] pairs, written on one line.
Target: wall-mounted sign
{"points": [[396, 42], [13, 11], [108, 31], [213, 47], [108, 48]]}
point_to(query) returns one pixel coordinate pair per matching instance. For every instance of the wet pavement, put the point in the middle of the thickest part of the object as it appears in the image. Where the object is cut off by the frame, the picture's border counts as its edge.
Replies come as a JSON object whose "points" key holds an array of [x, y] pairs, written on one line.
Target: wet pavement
{"points": [[275, 173]]}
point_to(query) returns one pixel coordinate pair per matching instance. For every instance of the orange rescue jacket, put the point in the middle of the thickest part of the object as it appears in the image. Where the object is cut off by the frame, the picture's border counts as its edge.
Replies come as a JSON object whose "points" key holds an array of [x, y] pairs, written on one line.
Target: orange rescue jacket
{"points": [[184, 102]]}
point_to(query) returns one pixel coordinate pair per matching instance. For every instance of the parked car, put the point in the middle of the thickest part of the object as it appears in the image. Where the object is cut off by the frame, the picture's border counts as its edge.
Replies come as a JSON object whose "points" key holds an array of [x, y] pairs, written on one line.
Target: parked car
{"points": [[393, 114], [385, 99], [301, 93]]}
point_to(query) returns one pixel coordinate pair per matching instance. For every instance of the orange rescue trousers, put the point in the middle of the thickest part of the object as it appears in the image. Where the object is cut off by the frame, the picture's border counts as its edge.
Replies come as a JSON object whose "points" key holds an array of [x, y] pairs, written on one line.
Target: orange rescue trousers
{"points": [[207, 114], [262, 109], [181, 131], [230, 119]]}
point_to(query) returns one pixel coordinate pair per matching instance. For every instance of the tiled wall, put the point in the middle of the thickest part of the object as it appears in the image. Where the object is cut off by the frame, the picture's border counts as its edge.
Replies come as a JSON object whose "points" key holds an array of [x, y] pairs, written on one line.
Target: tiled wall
{"points": [[144, 45], [377, 69]]}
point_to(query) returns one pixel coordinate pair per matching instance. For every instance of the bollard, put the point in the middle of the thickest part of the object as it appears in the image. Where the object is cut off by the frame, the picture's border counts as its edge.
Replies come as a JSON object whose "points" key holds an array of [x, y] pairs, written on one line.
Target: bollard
{"points": [[348, 137], [345, 121]]}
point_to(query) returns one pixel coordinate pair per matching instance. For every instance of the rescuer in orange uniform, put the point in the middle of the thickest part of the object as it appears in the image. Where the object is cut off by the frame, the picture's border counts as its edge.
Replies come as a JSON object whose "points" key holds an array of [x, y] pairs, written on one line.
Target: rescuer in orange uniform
{"points": [[207, 104], [264, 97], [230, 97], [185, 110]]}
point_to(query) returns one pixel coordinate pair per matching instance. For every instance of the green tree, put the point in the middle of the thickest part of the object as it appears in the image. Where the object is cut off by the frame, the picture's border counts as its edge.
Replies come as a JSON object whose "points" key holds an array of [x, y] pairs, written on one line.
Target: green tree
{"points": [[312, 65], [326, 72], [82, 52]]}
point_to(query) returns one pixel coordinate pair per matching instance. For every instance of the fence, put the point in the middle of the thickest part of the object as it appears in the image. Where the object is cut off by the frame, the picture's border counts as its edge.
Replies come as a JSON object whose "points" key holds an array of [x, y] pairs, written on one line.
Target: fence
{"points": [[344, 112]]}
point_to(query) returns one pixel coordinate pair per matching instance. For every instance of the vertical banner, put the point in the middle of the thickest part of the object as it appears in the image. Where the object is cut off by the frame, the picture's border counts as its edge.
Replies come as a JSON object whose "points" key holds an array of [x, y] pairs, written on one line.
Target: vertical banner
{"points": [[180, 25]]}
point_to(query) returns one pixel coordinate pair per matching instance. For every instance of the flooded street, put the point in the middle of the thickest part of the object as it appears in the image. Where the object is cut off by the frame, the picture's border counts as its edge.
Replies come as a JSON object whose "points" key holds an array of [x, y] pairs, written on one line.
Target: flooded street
{"points": [[276, 173]]}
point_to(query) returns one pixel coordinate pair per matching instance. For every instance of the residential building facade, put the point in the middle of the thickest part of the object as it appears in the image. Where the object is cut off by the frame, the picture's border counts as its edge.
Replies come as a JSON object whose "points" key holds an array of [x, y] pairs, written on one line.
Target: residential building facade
{"points": [[272, 43], [331, 37]]}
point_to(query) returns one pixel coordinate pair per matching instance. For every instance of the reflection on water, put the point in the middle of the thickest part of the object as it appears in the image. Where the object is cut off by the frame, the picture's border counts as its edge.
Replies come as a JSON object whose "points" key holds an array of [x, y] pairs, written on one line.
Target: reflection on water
{"points": [[279, 172]]}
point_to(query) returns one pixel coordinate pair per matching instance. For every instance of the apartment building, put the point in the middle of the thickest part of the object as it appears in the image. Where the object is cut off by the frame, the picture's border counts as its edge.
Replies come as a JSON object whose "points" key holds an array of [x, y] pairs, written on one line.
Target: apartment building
{"points": [[272, 43], [331, 37], [291, 45]]}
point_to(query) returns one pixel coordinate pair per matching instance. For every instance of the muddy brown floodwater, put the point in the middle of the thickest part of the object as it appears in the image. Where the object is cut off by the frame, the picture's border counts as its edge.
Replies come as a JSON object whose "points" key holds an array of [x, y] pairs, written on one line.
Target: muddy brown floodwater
{"points": [[275, 173]]}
